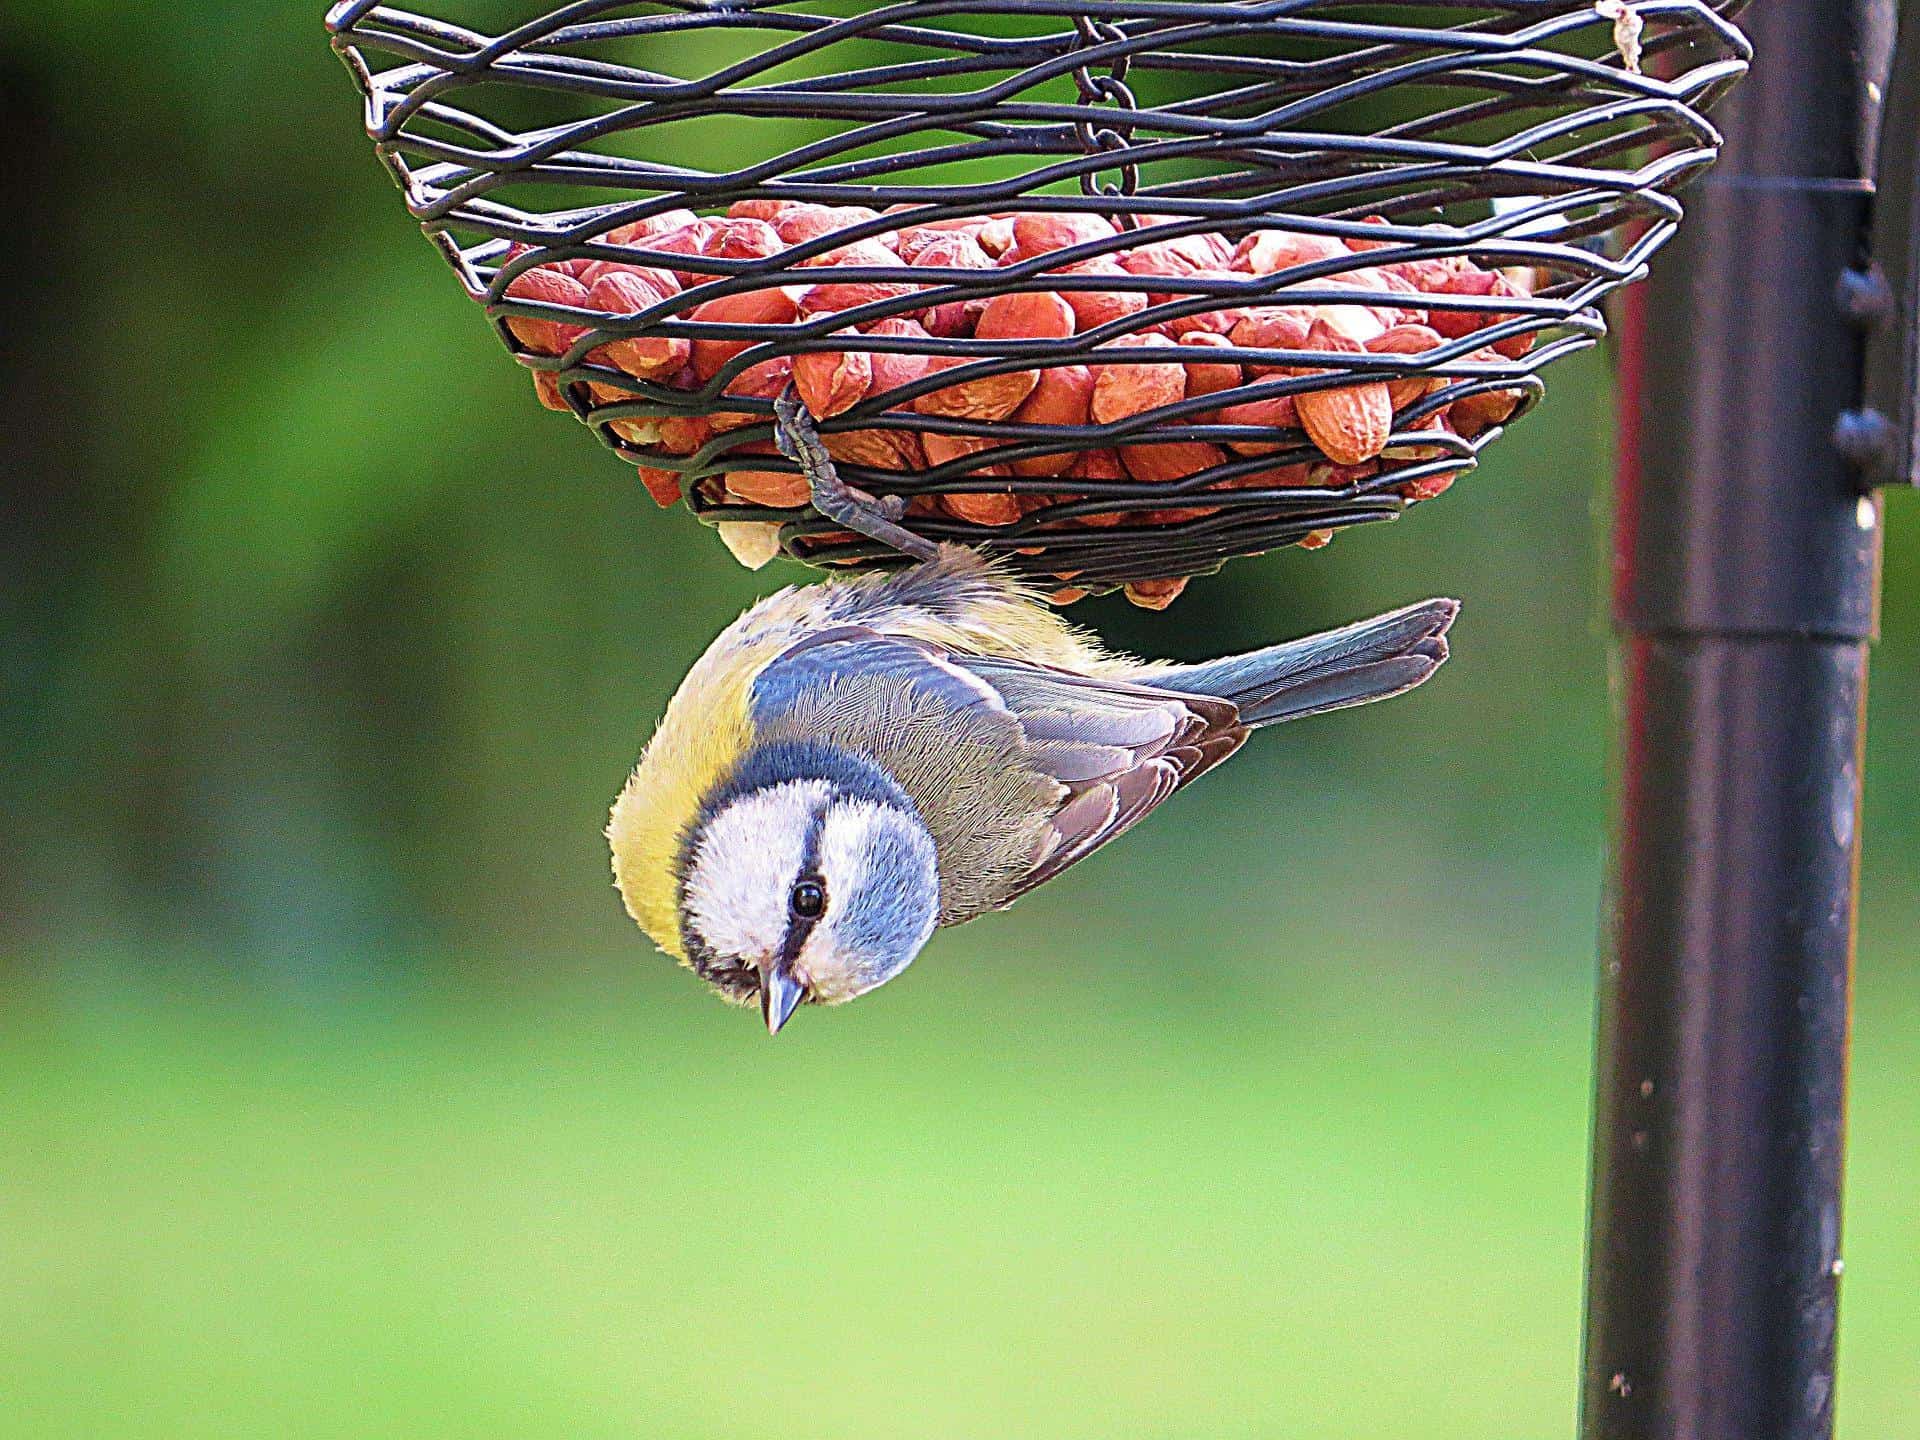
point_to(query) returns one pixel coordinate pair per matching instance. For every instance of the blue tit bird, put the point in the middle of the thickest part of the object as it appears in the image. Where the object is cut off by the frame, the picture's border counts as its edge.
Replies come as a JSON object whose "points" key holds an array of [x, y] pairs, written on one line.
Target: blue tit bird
{"points": [[855, 763]]}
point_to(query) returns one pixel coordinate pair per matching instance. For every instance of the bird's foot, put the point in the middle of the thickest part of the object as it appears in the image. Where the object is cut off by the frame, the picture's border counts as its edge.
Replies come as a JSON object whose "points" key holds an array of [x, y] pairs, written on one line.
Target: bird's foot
{"points": [[877, 518]]}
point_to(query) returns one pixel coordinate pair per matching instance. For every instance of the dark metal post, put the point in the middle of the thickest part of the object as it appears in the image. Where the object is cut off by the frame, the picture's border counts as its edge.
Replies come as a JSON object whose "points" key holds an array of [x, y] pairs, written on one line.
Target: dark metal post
{"points": [[1746, 588]]}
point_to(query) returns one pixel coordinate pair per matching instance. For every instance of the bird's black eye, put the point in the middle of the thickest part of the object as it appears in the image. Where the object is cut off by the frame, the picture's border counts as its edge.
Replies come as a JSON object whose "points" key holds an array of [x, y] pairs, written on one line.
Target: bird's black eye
{"points": [[809, 899]]}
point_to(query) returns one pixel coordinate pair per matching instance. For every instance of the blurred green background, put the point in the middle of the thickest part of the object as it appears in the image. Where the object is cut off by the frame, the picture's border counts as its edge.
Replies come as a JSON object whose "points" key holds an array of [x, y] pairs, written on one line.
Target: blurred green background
{"points": [[339, 1098]]}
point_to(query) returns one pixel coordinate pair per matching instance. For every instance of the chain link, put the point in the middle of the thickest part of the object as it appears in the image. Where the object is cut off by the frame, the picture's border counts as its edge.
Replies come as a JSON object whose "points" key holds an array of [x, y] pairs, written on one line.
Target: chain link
{"points": [[1108, 89]]}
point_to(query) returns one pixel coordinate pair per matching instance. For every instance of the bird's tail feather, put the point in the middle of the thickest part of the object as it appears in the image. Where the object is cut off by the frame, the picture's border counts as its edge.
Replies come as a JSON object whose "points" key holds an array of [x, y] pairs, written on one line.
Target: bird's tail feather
{"points": [[1360, 663]]}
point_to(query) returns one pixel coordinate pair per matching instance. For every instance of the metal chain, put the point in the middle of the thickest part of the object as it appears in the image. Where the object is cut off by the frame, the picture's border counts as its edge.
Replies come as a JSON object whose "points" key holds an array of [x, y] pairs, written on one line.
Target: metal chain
{"points": [[1110, 88]]}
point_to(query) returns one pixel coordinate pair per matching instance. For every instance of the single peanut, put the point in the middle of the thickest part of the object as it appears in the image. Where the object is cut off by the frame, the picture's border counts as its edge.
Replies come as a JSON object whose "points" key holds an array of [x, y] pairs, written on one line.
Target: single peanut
{"points": [[986, 397], [1268, 252], [1273, 327], [877, 449], [1408, 340], [1209, 377], [893, 369], [1093, 308], [637, 232], [662, 485], [771, 306], [1123, 391], [1155, 594], [759, 209], [1172, 460], [1026, 315], [644, 357], [742, 240], [1274, 412], [1063, 396], [757, 382], [995, 510], [831, 382], [1350, 424], [1042, 232], [546, 287]]}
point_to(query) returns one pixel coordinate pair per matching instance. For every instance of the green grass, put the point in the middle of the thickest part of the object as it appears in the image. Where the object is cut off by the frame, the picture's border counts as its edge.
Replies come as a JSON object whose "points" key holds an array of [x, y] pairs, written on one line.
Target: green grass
{"points": [[611, 1208]]}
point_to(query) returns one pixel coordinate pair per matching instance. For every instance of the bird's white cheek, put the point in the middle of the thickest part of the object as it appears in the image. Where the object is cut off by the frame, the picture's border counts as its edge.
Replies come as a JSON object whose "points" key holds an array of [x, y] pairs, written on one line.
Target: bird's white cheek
{"points": [[829, 972], [738, 886]]}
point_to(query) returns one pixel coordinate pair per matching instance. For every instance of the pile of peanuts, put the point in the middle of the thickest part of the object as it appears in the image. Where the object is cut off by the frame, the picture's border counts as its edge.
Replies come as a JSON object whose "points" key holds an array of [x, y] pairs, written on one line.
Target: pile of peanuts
{"points": [[1347, 427]]}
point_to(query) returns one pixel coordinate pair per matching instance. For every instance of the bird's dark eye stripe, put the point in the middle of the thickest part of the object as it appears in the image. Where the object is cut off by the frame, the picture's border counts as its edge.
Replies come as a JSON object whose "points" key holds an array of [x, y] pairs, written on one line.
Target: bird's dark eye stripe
{"points": [[808, 900]]}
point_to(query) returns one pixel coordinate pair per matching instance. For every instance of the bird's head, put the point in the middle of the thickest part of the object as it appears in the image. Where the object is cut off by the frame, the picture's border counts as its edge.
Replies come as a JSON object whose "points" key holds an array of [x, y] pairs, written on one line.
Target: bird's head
{"points": [[808, 876]]}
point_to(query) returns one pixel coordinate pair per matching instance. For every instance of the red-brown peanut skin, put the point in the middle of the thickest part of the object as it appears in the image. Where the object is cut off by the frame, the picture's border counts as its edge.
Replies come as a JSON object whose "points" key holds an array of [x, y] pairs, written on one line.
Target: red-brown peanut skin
{"points": [[1064, 396], [798, 224], [1026, 315], [1471, 415], [1171, 460], [1102, 467], [768, 487], [1350, 424], [943, 249], [747, 307], [1207, 377], [831, 383], [898, 450], [684, 434], [846, 295], [647, 357], [637, 232], [1094, 308], [1122, 391], [983, 509], [1155, 594], [589, 272], [546, 286], [1274, 412], [662, 485], [1408, 340], [742, 240], [988, 397], [999, 508], [1360, 246], [688, 239], [758, 382], [947, 250], [546, 386], [1267, 252], [1491, 284], [761, 209], [944, 449], [1041, 233], [1186, 255], [891, 369], [1276, 477], [1273, 327]]}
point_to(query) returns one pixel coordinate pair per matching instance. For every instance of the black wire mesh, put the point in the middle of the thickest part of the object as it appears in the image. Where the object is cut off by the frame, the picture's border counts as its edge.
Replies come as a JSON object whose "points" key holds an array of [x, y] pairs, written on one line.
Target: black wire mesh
{"points": [[1181, 165]]}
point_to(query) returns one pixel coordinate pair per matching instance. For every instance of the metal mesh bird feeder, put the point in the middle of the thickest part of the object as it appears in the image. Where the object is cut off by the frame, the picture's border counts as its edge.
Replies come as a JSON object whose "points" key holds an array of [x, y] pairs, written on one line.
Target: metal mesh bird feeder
{"points": [[1491, 168]]}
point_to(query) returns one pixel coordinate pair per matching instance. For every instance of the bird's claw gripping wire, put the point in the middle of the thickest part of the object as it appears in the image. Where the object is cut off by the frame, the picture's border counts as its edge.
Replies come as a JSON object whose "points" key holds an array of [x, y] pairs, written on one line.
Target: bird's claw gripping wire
{"points": [[875, 517]]}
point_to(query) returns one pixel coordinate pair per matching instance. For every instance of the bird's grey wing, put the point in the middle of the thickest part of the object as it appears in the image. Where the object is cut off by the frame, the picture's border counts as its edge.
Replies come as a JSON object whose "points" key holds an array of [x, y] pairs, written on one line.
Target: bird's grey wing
{"points": [[1018, 769], [1116, 749], [943, 733], [850, 658]]}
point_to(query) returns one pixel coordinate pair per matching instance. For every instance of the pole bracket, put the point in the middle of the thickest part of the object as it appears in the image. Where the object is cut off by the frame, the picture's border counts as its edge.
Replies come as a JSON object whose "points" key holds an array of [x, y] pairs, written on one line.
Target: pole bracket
{"points": [[1882, 437]]}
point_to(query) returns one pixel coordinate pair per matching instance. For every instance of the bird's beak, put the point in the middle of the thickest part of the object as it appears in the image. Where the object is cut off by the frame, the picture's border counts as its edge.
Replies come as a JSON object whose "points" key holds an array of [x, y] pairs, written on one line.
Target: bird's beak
{"points": [[779, 994]]}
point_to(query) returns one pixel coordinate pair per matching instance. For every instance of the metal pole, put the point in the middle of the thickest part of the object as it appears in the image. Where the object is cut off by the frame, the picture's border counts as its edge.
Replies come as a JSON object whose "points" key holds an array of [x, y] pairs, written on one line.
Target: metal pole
{"points": [[1747, 568]]}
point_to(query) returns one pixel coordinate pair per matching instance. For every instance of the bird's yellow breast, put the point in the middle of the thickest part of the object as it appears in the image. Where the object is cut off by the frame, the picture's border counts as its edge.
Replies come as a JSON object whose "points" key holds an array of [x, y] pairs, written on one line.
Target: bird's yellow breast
{"points": [[704, 732]]}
